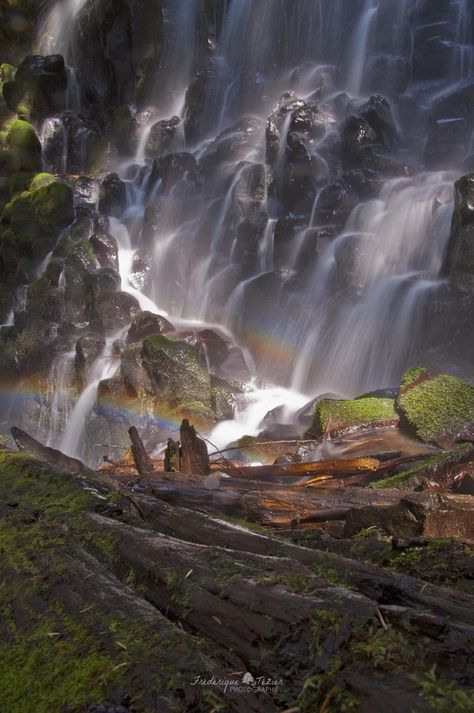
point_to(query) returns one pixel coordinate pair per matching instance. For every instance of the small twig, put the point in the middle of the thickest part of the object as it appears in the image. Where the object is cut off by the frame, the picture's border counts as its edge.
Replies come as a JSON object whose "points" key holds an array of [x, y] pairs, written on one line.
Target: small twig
{"points": [[83, 611], [229, 463], [120, 665], [382, 620], [328, 699]]}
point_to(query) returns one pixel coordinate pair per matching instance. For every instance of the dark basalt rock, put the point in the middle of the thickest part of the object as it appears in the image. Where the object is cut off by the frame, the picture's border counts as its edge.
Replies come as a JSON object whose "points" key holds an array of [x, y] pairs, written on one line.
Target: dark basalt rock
{"points": [[310, 121], [147, 323], [172, 168], [105, 249], [288, 104], [199, 96], [39, 87], [214, 347], [112, 311], [450, 128], [378, 114], [161, 138], [70, 144], [140, 276], [112, 195], [88, 348], [231, 145], [459, 264]]}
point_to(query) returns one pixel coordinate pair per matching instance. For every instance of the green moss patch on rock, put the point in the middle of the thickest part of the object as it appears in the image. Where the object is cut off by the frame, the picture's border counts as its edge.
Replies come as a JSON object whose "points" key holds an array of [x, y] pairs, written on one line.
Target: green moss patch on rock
{"points": [[31, 222], [21, 147], [176, 372], [333, 416], [436, 407], [73, 636]]}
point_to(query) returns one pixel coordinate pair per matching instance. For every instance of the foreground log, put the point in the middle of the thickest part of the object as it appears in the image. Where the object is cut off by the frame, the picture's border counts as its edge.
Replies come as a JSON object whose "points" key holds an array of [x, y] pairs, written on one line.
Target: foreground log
{"points": [[152, 609], [194, 451], [140, 456], [28, 444], [417, 514]]}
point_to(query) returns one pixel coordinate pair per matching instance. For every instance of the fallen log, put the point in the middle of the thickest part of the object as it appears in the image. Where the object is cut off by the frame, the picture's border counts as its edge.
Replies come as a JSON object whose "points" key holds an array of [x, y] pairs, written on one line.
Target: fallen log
{"points": [[346, 467], [53, 457], [106, 571], [262, 502], [141, 458]]}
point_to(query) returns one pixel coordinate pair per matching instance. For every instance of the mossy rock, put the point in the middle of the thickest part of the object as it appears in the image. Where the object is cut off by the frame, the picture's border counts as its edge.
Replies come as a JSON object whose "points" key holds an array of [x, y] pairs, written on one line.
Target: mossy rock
{"points": [[437, 408], [24, 146], [42, 179], [334, 416], [176, 373], [7, 74], [31, 223]]}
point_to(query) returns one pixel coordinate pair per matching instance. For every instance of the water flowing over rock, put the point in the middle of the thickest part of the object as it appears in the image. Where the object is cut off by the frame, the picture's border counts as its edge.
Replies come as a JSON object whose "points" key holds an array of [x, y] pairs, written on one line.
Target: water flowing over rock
{"points": [[269, 183]]}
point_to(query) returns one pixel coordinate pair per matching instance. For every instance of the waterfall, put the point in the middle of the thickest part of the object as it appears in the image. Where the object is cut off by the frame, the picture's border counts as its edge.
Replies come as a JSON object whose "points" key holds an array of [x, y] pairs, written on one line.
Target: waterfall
{"points": [[104, 367], [326, 268], [364, 336]]}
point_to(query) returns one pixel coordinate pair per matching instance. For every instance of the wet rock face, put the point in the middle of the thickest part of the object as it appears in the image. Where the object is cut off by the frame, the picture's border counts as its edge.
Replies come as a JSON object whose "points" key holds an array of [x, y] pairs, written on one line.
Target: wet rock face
{"points": [[103, 52], [146, 324], [161, 137], [88, 348], [39, 87], [105, 249], [112, 195], [69, 143], [459, 263], [450, 128]]}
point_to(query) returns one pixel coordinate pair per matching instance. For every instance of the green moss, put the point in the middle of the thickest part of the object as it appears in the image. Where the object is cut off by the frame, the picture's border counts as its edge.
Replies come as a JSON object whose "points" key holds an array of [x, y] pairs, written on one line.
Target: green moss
{"points": [[437, 463], [32, 222], [332, 415], [7, 74], [54, 202], [436, 407], [40, 180], [22, 141], [18, 183], [55, 655], [444, 695]]}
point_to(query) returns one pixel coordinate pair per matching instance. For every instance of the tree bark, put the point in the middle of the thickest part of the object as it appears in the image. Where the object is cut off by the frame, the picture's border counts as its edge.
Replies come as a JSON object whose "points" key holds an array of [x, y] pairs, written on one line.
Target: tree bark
{"points": [[140, 456], [195, 459]]}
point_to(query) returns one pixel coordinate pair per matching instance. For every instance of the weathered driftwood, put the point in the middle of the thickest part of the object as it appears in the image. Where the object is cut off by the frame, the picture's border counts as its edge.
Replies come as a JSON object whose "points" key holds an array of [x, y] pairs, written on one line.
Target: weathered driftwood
{"points": [[194, 458], [142, 460]]}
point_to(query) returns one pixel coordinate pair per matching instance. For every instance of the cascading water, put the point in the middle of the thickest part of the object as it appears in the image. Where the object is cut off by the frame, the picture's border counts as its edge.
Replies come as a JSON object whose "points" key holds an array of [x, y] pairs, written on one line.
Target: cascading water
{"points": [[320, 253], [105, 366]]}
